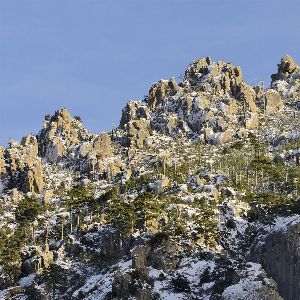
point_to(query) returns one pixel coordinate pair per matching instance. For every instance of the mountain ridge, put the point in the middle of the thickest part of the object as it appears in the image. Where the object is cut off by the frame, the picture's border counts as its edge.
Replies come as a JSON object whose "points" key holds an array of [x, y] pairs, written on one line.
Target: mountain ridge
{"points": [[168, 204]]}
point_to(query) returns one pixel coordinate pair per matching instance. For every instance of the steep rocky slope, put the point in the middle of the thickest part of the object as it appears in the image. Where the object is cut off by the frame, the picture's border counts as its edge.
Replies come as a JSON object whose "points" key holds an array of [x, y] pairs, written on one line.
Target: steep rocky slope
{"points": [[193, 196]]}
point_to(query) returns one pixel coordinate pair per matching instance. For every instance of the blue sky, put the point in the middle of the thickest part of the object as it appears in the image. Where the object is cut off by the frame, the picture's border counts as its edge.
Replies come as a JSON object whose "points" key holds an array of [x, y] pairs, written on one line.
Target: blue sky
{"points": [[92, 56]]}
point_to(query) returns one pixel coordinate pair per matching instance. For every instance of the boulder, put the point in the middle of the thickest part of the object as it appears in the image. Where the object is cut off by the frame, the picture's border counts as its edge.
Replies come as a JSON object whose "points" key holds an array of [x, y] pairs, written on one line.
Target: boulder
{"points": [[23, 165], [219, 78], [134, 110], [273, 102], [102, 144], [138, 132], [60, 135], [247, 96], [286, 67], [161, 90], [226, 136], [34, 181]]}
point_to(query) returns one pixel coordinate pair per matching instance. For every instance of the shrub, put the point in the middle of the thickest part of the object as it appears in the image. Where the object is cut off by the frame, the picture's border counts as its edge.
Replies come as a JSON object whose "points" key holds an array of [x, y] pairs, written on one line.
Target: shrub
{"points": [[181, 284], [28, 209], [238, 145], [78, 118], [158, 238]]}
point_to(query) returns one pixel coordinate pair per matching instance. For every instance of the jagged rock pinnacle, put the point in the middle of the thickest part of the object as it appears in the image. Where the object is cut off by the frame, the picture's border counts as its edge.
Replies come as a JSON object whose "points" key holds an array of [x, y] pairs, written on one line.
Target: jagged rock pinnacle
{"points": [[286, 67]]}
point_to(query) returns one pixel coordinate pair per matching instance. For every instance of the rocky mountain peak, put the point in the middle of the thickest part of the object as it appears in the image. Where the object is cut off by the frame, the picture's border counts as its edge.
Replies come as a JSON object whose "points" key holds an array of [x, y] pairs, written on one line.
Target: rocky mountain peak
{"points": [[217, 77], [286, 67], [60, 133], [212, 101], [287, 81]]}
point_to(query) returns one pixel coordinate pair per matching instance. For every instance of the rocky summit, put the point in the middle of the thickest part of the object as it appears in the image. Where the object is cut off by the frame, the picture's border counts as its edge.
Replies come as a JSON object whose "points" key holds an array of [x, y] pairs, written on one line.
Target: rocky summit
{"points": [[194, 196]]}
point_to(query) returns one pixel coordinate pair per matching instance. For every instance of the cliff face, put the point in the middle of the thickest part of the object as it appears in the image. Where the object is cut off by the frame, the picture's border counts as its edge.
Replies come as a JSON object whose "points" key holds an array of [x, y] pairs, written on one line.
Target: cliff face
{"points": [[279, 254]]}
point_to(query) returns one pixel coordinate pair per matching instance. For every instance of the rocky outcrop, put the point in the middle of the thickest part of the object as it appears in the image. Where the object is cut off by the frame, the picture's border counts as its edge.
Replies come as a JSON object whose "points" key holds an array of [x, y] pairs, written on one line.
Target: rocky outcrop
{"points": [[212, 95], [287, 80], [138, 132], [2, 161], [286, 67], [102, 145], [18, 156], [23, 165], [134, 110], [219, 78], [161, 90], [279, 255], [273, 102], [60, 134], [34, 180], [247, 96]]}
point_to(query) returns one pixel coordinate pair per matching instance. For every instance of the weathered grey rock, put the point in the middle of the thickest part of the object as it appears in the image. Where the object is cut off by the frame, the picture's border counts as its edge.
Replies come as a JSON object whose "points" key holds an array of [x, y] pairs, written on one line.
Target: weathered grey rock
{"points": [[161, 90], [139, 255], [286, 67], [273, 102], [34, 180], [226, 136], [60, 135], [279, 255], [138, 132], [134, 110], [55, 150], [219, 78], [102, 144], [2, 161], [247, 96], [23, 165]]}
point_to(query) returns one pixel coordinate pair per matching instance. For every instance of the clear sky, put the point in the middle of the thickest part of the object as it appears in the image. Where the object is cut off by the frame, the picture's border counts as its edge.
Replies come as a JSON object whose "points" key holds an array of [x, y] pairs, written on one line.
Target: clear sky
{"points": [[92, 56]]}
